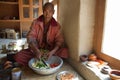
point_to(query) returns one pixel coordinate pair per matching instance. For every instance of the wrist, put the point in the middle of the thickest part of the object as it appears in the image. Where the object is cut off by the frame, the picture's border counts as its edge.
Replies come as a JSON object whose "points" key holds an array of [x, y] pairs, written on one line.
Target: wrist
{"points": [[37, 51], [55, 49]]}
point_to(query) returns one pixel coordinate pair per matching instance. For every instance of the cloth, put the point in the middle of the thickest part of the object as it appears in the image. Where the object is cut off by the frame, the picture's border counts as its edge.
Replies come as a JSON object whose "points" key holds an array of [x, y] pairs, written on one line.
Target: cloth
{"points": [[36, 34]]}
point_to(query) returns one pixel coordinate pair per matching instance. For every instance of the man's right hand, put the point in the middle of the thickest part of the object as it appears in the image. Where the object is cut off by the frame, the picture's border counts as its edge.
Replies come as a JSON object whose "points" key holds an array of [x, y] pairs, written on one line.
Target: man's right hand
{"points": [[38, 54]]}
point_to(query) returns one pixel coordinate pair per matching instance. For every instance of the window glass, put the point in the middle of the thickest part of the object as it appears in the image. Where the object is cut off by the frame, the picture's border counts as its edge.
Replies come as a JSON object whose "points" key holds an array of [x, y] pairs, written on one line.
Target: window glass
{"points": [[26, 12], [111, 33], [35, 12], [35, 2], [25, 2]]}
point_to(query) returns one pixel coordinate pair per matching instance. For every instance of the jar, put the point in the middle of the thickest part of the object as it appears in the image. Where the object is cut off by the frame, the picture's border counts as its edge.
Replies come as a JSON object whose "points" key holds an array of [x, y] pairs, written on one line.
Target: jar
{"points": [[4, 48], [92, 57], [16, 74]]}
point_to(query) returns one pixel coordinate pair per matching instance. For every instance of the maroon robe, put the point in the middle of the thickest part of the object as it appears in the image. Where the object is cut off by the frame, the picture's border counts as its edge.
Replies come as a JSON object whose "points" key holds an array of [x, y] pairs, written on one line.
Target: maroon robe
{"points": [[53, 38]]}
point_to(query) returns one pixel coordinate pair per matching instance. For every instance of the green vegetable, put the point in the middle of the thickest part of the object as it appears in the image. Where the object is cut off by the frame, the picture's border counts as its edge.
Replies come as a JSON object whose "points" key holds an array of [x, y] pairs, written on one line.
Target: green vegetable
{"points": [[40, 64], [44, 50]]}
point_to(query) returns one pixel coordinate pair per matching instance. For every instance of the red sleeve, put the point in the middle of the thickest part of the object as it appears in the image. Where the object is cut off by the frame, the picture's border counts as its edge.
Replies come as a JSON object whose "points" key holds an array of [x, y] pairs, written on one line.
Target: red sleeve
{"points": [[32, 31], [59, 37], [32, 35]]}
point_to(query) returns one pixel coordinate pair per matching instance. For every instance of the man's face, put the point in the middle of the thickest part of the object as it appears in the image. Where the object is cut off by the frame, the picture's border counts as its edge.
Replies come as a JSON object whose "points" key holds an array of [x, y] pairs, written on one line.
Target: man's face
{"points": [[48, 13]]}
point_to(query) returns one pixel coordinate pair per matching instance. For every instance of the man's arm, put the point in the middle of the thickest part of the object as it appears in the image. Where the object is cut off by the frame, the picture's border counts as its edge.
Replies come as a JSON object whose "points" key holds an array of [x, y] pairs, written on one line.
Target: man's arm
{"points": [[31, 39]]}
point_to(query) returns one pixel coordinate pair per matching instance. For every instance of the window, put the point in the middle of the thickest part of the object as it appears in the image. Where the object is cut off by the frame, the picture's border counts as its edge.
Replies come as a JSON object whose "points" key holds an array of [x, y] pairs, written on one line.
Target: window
{"points": [[111, 38], [106, 33]]}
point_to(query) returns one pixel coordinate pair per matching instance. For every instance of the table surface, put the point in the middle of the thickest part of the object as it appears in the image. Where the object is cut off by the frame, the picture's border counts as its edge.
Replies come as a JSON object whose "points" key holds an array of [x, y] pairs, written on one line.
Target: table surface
{"points": [[28, 74]]}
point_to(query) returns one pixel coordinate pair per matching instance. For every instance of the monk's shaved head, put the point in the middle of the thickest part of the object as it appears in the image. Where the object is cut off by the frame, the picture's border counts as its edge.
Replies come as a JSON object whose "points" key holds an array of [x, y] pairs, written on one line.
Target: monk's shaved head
{"points": [[48, 5]]}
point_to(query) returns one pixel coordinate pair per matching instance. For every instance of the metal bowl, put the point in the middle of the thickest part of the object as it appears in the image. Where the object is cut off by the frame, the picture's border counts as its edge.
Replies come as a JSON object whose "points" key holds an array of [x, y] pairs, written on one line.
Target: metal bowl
{"points": [[53, 59]]}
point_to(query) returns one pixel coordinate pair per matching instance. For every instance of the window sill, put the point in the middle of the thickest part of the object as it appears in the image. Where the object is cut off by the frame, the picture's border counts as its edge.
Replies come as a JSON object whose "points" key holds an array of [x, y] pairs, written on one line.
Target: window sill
{"points": [[87, 72], [96, 72]]}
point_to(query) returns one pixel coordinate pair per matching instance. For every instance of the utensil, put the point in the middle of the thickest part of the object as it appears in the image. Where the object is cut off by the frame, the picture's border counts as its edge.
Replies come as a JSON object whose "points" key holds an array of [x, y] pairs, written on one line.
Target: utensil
{"points": [[114, 74], [45, 63]]}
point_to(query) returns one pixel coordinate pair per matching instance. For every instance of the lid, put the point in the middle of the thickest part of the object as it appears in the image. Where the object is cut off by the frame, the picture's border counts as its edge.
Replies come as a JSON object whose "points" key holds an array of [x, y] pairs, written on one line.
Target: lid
{"points": [[16, 69]]}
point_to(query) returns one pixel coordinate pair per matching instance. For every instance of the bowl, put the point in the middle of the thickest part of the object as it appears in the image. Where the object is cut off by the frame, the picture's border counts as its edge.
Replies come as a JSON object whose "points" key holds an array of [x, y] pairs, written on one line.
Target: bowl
{"points": [[67, 75], [114, 74], [83, 58], [47, 71]]}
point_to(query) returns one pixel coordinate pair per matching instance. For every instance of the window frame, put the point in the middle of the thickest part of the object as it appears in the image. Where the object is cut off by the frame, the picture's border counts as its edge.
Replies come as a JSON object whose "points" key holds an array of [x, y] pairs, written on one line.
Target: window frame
{"points": [[98, 32]]}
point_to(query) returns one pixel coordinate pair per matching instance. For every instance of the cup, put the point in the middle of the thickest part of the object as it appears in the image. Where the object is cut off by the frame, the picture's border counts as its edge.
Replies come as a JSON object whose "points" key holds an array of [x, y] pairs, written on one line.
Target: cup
{"points": [[16, 74]]}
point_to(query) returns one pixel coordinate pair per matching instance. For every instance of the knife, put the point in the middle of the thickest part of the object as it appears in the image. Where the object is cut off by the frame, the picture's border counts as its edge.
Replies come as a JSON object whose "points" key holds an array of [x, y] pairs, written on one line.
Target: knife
{"points": [[45, 63]]}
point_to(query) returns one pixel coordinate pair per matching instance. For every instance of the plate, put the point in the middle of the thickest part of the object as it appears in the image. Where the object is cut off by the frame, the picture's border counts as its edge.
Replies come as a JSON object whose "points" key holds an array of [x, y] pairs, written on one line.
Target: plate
{"points": [[67, 75]]}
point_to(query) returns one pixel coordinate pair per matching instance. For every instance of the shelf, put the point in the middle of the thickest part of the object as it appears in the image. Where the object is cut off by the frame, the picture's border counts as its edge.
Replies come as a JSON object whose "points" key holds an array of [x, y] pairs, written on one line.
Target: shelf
{"points": [[27, 20], [36, 6], [9, 20], [19, 14], [6, 40], [25, 5], [3, 2]]}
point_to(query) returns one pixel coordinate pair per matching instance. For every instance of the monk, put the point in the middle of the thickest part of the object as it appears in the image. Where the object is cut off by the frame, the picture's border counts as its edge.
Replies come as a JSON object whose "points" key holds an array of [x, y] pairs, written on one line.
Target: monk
{"points": [[45, 33]]}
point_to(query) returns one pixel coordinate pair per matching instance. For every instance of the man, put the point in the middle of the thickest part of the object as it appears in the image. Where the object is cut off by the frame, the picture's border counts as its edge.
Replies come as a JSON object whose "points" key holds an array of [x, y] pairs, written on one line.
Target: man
{"points": [[45, 33]]}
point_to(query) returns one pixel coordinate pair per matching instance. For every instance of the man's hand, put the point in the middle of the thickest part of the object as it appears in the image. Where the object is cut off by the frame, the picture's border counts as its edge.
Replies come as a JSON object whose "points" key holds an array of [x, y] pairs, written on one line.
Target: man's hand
{"points": [[38, 54], [49, 54]]}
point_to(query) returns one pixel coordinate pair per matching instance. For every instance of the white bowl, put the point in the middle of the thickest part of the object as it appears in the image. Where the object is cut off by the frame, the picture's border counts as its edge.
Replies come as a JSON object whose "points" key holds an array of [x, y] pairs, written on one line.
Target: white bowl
{"points": [[68, 75], [53, 59]]}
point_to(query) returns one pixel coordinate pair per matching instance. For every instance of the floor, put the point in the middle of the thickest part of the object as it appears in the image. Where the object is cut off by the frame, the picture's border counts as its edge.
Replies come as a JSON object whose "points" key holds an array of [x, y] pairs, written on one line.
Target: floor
{"points": [[28, 74], [87, 72]]}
